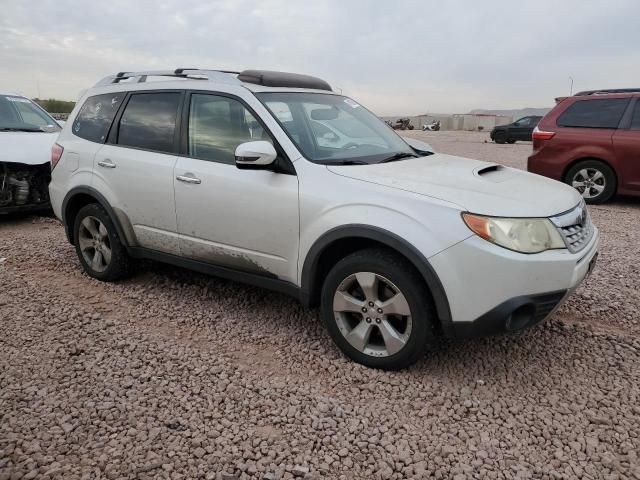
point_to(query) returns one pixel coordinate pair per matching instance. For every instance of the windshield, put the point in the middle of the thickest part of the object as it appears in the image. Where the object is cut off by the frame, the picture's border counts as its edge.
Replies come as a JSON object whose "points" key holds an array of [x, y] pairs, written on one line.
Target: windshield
{"points": [[333, 129], [19, 114]]}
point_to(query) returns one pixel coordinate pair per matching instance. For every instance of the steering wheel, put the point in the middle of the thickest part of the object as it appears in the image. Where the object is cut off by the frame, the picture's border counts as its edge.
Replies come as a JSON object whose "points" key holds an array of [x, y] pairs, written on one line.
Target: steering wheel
{"points": [[350, 145]]}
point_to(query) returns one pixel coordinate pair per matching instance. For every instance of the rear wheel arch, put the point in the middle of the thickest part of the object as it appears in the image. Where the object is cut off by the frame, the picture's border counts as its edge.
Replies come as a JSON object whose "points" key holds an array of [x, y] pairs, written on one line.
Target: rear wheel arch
{"points": [[573, 163], [342, 241], [80, 197]]}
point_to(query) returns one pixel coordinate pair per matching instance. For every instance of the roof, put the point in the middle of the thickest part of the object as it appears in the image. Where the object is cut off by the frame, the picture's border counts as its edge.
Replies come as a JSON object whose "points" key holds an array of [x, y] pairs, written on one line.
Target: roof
{"points": [[606, 91]]}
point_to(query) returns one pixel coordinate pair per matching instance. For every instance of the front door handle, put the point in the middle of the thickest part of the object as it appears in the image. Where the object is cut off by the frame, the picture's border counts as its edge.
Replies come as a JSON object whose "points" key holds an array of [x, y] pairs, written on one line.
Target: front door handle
{"points": [[107, 163], [189, 179]]}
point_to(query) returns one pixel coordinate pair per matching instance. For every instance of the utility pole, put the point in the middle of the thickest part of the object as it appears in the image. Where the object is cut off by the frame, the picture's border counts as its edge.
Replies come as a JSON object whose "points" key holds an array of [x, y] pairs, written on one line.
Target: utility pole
{"points": [[570, 86]]}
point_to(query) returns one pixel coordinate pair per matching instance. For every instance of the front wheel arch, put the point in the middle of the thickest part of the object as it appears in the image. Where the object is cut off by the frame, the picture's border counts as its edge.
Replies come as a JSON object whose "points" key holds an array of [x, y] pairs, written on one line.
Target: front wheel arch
{"points": [[341, 241]]}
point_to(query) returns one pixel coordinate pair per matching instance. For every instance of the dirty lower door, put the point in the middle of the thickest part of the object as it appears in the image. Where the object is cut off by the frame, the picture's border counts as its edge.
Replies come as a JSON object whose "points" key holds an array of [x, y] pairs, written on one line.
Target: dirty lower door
{"points": [[242, 219]]}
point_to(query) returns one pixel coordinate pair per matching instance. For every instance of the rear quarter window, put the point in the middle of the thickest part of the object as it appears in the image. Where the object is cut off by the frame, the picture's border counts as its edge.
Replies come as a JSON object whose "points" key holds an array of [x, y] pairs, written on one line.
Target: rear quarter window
{"points": [[601, 113], [94, 119]]}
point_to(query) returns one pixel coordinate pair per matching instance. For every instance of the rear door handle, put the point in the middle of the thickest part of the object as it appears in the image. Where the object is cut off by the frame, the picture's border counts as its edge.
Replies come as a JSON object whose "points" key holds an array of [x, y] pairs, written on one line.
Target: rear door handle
{"points": [[189, 179], [107, 163]]}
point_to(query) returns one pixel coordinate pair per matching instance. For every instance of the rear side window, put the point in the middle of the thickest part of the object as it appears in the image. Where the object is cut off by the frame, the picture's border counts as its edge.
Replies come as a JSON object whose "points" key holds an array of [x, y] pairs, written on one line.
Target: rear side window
{"points": [[602, 113], [149, 121], [95, 117], [635, 120]]}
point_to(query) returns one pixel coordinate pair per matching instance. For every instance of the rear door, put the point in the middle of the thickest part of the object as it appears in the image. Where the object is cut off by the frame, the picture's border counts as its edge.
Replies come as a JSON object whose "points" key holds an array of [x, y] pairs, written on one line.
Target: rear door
{"points": [[242, 219], [134, 170], [626, 142]]}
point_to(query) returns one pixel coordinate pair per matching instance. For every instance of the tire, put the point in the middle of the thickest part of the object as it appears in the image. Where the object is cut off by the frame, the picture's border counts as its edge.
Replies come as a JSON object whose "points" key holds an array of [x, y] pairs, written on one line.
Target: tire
{"points": [[95, 234], [500, 137], [408, 335], [511, 141], [595, 180]]}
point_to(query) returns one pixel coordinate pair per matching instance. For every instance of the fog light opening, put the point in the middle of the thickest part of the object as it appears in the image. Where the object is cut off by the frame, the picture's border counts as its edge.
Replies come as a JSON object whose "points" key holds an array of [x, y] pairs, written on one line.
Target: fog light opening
{"points": [[521, 317]]}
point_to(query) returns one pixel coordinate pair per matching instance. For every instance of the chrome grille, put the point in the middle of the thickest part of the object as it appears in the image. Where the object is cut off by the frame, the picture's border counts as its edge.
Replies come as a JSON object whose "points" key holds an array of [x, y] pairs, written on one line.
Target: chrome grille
{"points": [[575, 227]]}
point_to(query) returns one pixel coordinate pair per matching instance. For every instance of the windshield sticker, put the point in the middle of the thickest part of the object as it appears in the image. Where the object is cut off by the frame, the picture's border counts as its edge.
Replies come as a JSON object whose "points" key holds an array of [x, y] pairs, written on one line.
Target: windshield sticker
{"points": [[18, 99], [351, 103]]}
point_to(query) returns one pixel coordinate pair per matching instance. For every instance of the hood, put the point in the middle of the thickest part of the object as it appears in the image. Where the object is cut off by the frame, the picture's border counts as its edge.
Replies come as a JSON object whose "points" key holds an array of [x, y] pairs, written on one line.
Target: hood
{"points": [[478, 187], [30, 148]]}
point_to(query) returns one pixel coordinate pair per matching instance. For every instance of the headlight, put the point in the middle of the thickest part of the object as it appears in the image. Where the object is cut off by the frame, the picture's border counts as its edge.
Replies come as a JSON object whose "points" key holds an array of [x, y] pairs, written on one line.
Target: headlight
{"points": [[525, 235]]}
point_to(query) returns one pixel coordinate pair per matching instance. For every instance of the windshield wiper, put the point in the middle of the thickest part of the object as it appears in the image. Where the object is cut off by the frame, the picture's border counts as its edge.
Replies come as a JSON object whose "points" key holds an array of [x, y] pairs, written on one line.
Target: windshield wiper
{"points": [[347, 162], [14, 129], [398, 156]]}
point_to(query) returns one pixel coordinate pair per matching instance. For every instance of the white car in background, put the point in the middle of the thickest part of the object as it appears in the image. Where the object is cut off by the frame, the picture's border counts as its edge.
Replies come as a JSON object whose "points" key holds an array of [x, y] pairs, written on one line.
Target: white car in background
{"points": [[27, 133]]}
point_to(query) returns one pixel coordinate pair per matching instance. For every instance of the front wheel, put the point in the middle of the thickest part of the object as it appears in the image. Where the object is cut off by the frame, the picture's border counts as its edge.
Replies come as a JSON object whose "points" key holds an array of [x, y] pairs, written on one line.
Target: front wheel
{"points": [[593, 179], [377, 309]]}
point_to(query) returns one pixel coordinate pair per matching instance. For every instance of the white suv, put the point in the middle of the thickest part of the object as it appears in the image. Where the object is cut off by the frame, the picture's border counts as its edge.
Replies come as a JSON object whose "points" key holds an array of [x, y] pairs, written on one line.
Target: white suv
{"points": [[233, 174]]}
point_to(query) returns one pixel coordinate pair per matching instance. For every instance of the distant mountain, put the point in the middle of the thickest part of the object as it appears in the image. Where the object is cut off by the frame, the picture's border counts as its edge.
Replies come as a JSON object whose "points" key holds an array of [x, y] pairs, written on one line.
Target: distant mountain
{"points": [[516, 113]]}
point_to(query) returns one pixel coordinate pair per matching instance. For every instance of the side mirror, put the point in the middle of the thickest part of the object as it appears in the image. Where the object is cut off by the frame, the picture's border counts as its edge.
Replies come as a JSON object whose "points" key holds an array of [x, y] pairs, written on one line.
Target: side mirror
{"points": [[516, 124], [258, 155]]}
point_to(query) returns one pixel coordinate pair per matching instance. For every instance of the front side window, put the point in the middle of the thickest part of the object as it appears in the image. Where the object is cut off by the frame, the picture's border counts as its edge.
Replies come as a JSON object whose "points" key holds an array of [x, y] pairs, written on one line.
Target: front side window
{"points": [[524, 122], [21, 114], [95, 117], [217, 125], [149, 121], [600, 113], [332, 129]]}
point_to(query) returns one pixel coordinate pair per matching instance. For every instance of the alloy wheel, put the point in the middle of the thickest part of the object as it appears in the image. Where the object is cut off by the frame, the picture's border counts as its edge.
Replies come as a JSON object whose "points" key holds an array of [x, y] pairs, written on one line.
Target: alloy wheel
{"points": [[590, 182], [372, 314], [94, 243]]}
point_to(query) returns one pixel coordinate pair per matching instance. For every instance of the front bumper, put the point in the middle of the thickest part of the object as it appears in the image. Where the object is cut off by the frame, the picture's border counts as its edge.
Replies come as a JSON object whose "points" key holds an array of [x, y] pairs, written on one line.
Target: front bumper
{"points": [[493, 290]]}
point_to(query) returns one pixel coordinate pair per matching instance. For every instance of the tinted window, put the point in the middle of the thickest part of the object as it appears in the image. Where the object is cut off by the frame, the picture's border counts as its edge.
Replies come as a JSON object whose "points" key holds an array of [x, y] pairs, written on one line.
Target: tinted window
{"points": [[217, 125], [95, 116], [149, 121], [605, 113], [525, 122], [635, 120]]}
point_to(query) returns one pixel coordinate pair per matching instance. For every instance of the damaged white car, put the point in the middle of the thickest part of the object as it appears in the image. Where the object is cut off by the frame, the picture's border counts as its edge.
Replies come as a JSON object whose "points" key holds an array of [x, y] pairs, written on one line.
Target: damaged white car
{"points": [[27, 133]]}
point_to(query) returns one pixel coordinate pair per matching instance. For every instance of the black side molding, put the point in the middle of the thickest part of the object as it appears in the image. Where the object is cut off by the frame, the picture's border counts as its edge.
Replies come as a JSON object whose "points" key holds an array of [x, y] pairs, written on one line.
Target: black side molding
{"points": [[262, 281]]}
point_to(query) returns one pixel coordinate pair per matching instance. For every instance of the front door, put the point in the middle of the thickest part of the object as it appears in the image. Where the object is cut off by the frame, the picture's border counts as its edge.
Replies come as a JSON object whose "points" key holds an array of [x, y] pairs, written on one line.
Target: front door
{"points": [[242, 219]]}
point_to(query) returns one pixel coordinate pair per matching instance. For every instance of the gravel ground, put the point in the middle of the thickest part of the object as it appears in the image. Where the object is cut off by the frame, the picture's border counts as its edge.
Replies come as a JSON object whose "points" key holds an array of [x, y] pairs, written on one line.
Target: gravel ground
{"points": [[176, 375]]}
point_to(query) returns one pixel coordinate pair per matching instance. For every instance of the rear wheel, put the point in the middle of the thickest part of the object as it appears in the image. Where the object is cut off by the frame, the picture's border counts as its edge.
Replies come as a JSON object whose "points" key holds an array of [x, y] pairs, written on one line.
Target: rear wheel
{"points": [[500, 137], [98, 246], [593, 179], [377, 309]]}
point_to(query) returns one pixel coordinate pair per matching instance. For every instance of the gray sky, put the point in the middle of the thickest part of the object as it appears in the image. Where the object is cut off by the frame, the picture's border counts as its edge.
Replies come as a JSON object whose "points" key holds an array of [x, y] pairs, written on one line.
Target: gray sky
{"points": [[394, 56]]}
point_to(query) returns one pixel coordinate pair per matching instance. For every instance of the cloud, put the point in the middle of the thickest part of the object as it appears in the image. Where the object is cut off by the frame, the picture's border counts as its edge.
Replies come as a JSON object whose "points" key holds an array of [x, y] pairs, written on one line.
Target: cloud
{"points": [[395, 57]]}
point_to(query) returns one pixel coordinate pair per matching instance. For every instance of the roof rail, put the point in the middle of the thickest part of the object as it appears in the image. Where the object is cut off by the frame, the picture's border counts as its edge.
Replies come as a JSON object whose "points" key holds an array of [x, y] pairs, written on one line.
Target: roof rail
{"points": [[223, 76], [609, 90]]}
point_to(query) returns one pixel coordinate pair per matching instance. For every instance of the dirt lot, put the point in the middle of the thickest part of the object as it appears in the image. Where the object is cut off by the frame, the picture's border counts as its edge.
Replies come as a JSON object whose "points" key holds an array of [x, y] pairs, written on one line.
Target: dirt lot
{"points": [[177, 375]]}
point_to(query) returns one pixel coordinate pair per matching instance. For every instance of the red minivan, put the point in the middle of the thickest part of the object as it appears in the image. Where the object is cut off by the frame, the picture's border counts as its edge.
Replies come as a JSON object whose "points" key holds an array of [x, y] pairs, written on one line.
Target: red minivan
{"points": [[591, 141]]}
